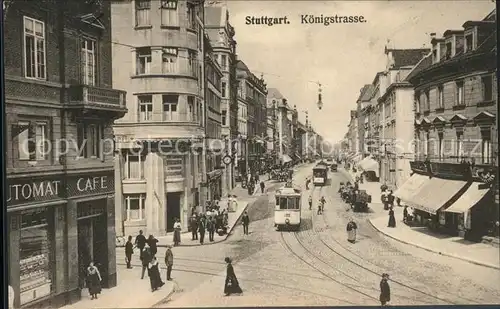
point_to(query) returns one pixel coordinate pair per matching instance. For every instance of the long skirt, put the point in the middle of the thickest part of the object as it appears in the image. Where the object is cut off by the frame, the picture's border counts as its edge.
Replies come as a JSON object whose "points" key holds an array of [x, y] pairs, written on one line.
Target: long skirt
{"points": [[94, 284], [351, 235], [232, 286], [155, 278], [392, 221], [177, 236]]}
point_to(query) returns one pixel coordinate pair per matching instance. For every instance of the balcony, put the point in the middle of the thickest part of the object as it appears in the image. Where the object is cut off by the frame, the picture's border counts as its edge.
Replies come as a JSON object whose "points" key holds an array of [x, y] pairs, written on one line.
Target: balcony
{"points": [[107, 103]]}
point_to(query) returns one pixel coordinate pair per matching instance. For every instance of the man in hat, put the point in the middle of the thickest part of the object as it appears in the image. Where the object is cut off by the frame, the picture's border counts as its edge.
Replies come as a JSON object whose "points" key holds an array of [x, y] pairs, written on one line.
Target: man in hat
{"points": [[194, 228], [385, 290], [169, 261]]}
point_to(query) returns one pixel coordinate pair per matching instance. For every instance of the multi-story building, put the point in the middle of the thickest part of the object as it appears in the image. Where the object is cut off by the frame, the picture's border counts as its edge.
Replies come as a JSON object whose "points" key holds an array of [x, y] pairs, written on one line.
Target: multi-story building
{"points": [[284, 130], [60, 108], [456, 129], [363, 108], [396, 105], [252, 96], [272, 125], [215, 145], [221, 35], [300, 140], [160, 61]]}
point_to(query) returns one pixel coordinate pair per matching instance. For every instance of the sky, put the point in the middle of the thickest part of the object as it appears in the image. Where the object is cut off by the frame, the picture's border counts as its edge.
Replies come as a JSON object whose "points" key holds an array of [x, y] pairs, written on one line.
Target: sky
{"points": [[342, 57]]}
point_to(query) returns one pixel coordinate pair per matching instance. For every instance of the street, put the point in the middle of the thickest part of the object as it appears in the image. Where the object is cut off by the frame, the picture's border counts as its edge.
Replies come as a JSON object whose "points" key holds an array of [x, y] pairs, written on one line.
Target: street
{"points": [[317, 266]]}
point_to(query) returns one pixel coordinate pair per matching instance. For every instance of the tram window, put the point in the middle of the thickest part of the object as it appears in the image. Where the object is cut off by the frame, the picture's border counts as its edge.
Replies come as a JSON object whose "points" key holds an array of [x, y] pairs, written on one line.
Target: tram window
{"points": [[293, 203], [283, 203]]}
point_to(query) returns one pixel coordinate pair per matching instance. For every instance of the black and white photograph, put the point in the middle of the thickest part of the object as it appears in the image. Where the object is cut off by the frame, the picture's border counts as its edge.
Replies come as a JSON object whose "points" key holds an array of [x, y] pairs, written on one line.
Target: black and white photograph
{"points": [[196, 153]]}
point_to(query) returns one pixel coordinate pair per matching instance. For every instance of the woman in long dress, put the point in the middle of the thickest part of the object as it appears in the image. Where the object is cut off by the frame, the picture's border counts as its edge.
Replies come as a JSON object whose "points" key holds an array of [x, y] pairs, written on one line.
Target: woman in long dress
{"points": [[392, 219], [154, 275], [351, 231], [177, 232], [93, 280], [232, 286]]}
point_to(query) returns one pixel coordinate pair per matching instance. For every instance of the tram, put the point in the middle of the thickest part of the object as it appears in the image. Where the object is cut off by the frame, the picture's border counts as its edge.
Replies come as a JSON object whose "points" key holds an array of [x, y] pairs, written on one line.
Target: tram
{"points": [[287, 209], [320, 175]]}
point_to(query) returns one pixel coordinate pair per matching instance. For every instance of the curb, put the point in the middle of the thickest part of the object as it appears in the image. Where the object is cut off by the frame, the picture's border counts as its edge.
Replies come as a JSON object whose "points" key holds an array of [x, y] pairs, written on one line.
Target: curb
{"points": [[434, 251]]}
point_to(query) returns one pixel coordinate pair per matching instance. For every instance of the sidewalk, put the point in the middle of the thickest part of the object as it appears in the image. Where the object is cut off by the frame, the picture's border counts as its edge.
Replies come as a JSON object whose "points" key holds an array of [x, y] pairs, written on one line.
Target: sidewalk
{"points": [[130, 292], [420, 237], [456, 247]]}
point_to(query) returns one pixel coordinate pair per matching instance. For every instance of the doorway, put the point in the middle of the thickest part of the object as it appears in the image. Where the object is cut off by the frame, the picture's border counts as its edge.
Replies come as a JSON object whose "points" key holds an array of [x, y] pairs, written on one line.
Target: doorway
{"points": [[173, 209]]}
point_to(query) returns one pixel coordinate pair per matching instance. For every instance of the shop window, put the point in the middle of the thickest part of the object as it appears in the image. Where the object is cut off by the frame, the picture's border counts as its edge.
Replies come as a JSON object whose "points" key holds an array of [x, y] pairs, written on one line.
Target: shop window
{"points": [[36, 260], [136, 204], [89, 138], [134, 166], [32, 140]]}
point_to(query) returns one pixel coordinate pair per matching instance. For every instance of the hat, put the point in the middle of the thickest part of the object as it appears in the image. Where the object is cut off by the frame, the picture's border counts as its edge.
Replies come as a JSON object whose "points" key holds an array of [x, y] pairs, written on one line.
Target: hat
{"points": [[228, 260], [385, 275]]}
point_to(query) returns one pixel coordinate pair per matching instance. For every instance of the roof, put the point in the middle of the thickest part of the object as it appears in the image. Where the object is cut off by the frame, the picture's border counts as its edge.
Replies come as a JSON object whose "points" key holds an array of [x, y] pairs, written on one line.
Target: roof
{"points": [[213, 16], [366, 92], [407, 57], [288, 191], [274, 93], [489, 44], [423, 64], [242, 66]]}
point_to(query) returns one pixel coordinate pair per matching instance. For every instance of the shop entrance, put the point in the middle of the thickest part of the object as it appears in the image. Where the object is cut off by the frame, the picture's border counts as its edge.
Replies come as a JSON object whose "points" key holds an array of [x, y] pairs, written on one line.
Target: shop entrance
{"points": [[173, 209], [92, 238]]}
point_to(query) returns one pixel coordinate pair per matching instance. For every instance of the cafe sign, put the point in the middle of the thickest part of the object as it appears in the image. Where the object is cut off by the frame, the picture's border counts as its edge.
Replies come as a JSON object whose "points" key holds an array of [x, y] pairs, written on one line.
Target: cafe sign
{"points": [[29, 190], [91, 184]]}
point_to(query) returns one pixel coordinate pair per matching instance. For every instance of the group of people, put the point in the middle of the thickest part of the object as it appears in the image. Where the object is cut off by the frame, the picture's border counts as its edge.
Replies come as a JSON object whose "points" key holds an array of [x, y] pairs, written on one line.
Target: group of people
{"points": [[213, 220]]}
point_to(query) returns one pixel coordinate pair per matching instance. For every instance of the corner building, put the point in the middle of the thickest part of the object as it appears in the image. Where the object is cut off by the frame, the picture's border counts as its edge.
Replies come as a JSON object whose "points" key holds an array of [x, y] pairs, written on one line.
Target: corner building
{"points": [[60, 108], [159, 164]]}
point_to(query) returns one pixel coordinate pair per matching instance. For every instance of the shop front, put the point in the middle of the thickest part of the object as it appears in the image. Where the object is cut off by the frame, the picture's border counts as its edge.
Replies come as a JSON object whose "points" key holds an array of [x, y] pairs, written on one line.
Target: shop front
{"points": [[215, 184]]}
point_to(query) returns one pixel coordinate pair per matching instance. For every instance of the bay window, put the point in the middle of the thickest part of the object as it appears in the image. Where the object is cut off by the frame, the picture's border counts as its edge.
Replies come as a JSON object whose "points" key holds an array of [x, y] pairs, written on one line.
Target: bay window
{"points": [[170, 103], [136, 205], [34, 49], [169, 60]]}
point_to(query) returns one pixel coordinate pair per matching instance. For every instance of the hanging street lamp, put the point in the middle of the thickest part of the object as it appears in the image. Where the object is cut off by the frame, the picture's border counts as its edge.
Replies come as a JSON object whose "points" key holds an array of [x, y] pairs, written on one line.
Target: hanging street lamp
{"points": [[320, 102]]}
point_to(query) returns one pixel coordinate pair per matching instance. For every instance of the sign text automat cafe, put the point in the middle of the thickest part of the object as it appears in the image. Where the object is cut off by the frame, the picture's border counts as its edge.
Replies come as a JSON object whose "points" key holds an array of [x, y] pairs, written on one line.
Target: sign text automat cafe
{"points": [[22, 191]]}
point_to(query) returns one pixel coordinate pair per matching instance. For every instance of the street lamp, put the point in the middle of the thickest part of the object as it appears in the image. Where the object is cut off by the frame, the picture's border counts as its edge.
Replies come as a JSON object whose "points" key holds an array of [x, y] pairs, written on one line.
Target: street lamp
{"points": [[320, 102]]}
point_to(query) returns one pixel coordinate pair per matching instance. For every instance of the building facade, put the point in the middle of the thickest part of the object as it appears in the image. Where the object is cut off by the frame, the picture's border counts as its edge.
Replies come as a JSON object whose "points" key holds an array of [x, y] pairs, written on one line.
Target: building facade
{"points": [[456, 129], [215, 146], [60, 108], [159, 163], [221, 34]]}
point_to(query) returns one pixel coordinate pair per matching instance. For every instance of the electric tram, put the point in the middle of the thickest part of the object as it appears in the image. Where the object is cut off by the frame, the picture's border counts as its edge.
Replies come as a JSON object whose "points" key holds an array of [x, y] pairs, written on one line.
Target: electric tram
{"points": [[320, 175], [287, 209]]}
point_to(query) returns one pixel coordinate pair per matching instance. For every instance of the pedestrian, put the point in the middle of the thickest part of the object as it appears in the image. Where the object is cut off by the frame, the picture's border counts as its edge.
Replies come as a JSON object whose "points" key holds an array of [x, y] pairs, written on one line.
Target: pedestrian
{"points": [[308, 181], [129, 250], [385, 200], [320, 211], [211, 228], [385, 290], [152, 242], [177, 232], [93, 280], [310, 202], [390, 199], [392, 219], [405, 214], [169, 261], [154, 275], [351, 231], [140, 241], [262, 187], [231, 286], [245, 220], [193, 224], [202, 226], [145, 259]]}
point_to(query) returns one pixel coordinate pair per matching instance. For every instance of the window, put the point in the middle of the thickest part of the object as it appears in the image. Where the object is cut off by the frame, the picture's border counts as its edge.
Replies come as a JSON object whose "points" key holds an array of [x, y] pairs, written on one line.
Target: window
{"points": [[169, 60], [460, 93], [224, 117], [145, 107], [192, 61], [169, 13], [441, 146], [460, 145], [417, 103], [170, 102], [191, 15], [486, 150], [136, 204], [143, 60], [224, 62], [440, 97], [142, 12], [469, 43], [89, 138], [34, 48], [88, 62], [487, 83], [191, 108], [427, 101], [33, 142], [134, 166], [223, 89], [393, 103], [448, 51], [427, 143]]}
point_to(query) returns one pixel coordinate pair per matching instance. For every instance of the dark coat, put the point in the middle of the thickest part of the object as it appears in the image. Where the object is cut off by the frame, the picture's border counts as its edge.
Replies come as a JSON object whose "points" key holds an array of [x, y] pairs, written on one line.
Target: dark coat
{"points": [[385, 291], [202, 226], [231, 285], [351, 226], [194, 224], [392, 219], [245, 219], [129, 248], [152, 245], [145, 257], [140, 241], [210, 225]]}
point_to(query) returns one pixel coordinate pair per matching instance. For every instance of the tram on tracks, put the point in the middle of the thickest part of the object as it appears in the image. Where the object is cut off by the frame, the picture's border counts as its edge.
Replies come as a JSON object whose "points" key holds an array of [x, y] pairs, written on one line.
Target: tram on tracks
{"points": [[287, 209], [320, 175]]}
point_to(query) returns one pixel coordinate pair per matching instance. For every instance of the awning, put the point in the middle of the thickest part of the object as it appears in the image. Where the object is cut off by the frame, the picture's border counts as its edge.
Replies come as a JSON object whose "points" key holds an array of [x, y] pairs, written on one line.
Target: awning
{"points": [[286, 158], [469, 199], [410, 187], [434, 194], [368, 164]]}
